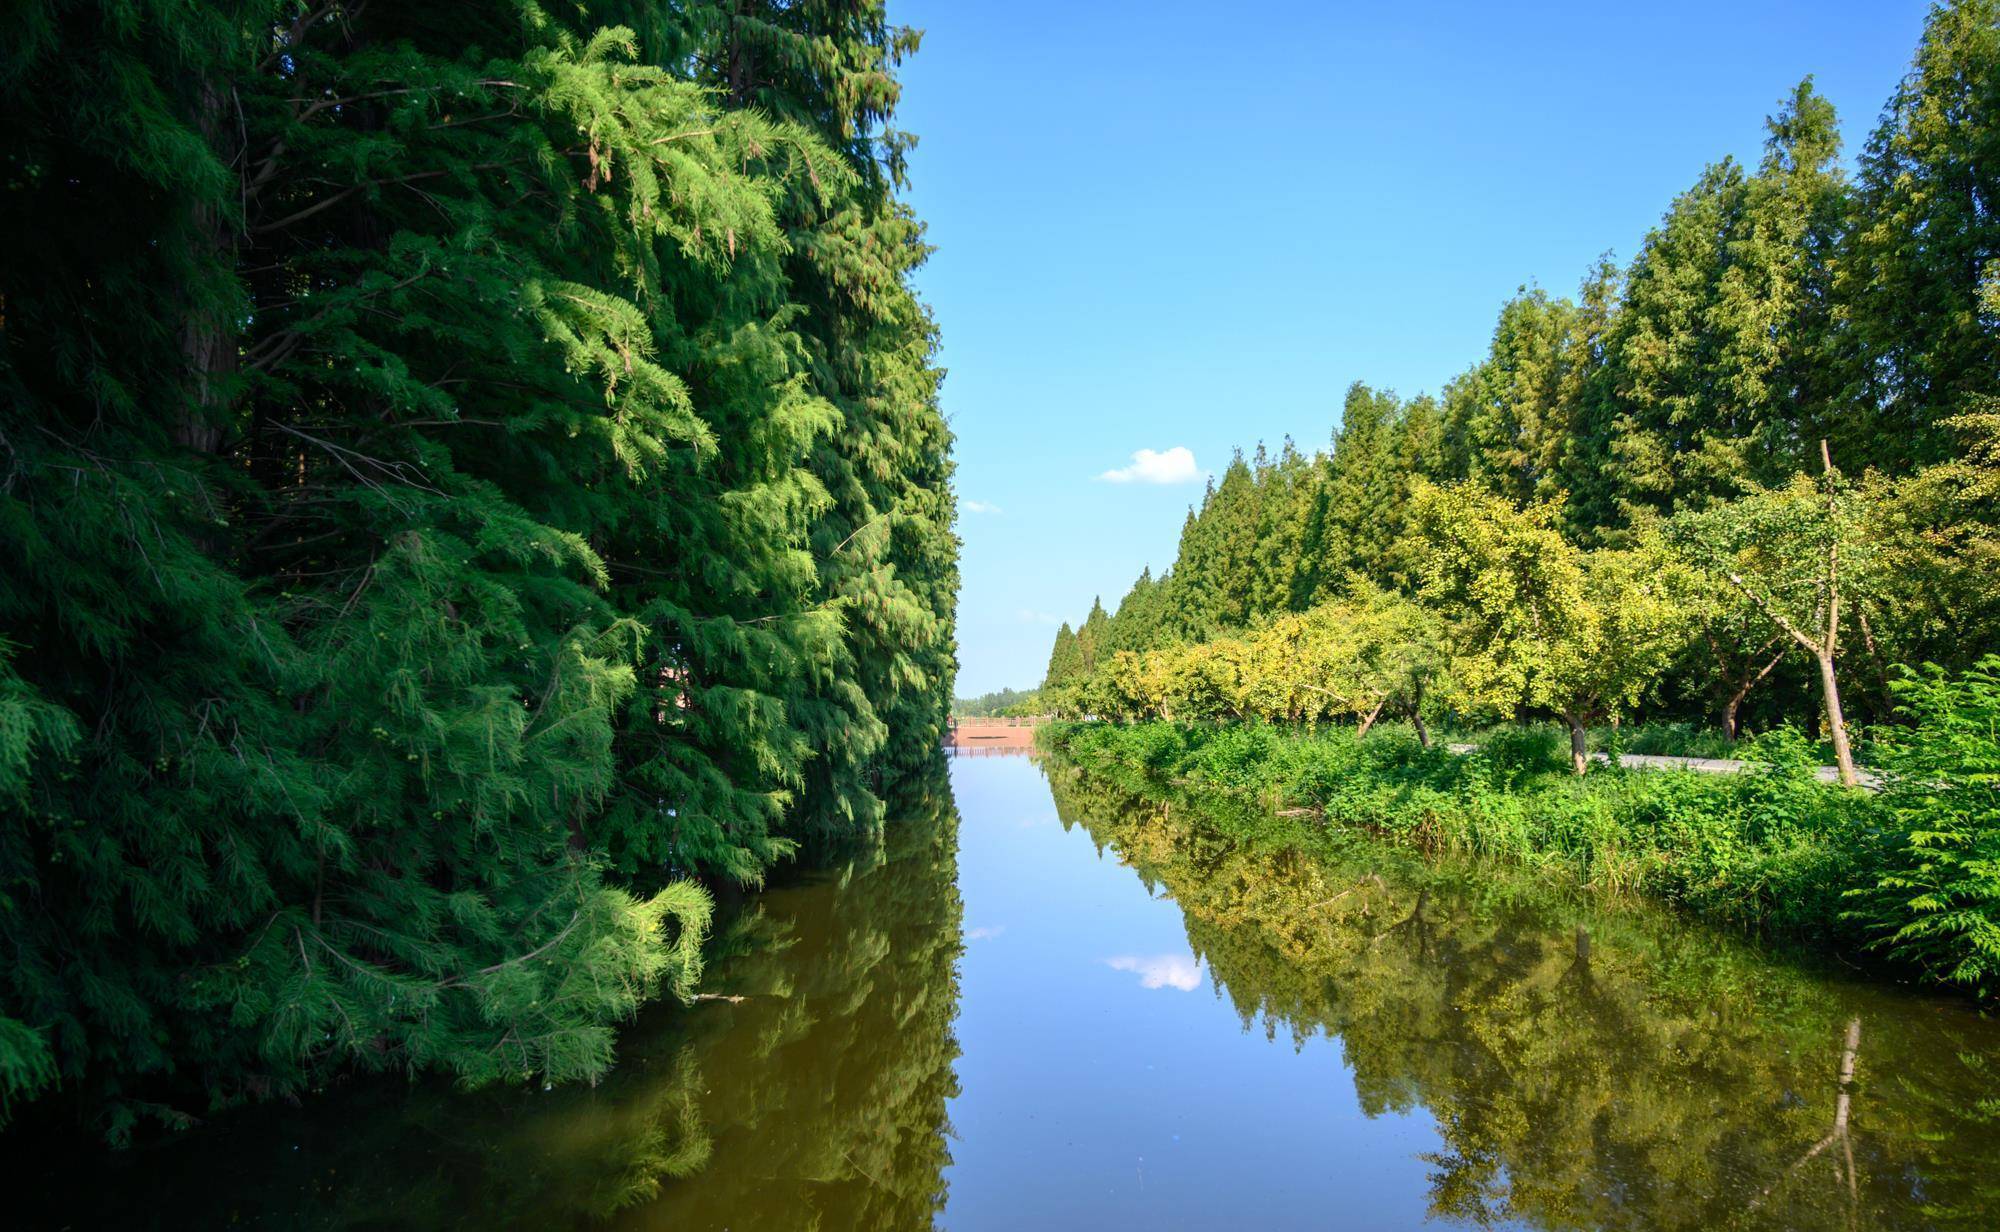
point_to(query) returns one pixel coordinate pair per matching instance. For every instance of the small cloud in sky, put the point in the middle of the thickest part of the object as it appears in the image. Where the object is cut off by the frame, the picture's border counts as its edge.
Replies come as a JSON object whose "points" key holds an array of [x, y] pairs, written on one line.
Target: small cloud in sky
{"points": [[1174, 465], [1029, 616], [985, 932], [978, 506], [1182, 971]]}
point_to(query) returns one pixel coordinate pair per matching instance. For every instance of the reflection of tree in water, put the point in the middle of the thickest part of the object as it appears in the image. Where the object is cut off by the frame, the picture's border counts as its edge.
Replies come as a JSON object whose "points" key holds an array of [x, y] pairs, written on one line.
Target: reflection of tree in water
{"points": [[827, 1080], [1586, 1068], [807, 1089]]}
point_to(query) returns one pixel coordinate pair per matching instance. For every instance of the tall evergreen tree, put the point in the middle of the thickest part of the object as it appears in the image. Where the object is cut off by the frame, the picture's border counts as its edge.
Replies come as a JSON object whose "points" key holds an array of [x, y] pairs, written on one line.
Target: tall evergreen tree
{"points": [[1366, 496], [1065, 659], [419, 495], [885, 547], [1683, 435], [1927, 243], [1217, 564]]}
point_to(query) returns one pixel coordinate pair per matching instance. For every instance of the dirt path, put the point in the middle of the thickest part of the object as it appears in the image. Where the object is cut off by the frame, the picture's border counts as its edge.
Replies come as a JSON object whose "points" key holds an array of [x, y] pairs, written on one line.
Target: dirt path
{"points": [[1704, 765]]}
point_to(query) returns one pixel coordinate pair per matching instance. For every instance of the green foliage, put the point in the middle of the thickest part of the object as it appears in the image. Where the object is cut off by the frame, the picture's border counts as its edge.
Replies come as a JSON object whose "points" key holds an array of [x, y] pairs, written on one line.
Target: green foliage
{"points": [[1000, 702], [1937, 903], [1773, 848], [1920, 265], [1773, 308], [1723, 363], [1795, 554], [1348, 658], [460, 478], [1540, 622], [809, 1088], [1774, 546], [1586, 1059]]}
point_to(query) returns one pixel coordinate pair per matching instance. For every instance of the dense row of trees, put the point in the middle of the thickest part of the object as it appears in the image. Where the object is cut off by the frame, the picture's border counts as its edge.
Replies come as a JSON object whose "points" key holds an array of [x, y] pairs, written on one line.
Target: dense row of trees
{"points": [[1769, 444], [466, 473]]}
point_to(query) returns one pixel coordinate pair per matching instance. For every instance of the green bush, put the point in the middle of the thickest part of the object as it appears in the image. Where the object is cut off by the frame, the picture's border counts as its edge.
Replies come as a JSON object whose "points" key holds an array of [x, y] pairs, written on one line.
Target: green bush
{"points": [[1520, 753], [1936, 902], [1773, 848]]}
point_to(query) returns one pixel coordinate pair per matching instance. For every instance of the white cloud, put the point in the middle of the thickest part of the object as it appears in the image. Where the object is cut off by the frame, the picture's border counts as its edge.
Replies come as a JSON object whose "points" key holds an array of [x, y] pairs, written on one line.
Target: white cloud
{"points": [[1176, 465], [976, 506], [985, 933], [1029, 616], [1182, 971]]}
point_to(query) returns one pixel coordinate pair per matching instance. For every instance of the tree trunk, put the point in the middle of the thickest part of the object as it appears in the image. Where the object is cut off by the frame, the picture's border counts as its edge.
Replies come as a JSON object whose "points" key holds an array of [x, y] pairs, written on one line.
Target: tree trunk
{"points": [[740, 66], [1369, 720], [1836, 724], [1579, 744], [208, 336], [1417, 714]]}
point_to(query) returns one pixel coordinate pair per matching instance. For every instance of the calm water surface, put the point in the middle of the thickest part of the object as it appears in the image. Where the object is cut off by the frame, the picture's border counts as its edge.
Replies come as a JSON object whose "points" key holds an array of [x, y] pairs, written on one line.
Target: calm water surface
{"points": [[1057, 1006]]}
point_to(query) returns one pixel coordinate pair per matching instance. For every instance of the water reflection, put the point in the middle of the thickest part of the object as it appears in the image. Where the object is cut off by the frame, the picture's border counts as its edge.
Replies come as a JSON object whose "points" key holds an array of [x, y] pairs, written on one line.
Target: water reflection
{"points": [[808, 1089], [1182, 971], [1452, 1042], [1585, 1068], [827, 1081]]}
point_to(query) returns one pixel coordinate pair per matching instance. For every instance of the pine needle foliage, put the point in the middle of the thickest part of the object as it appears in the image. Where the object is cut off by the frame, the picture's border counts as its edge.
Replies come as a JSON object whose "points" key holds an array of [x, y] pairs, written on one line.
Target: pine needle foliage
{"points": [[417, 530]]}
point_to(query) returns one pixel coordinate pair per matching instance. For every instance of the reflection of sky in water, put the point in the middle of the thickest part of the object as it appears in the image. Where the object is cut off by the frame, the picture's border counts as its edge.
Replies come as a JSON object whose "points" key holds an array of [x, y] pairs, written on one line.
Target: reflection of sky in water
{"points": [[1089, 1046], [1182, 971], [813, 1088]]}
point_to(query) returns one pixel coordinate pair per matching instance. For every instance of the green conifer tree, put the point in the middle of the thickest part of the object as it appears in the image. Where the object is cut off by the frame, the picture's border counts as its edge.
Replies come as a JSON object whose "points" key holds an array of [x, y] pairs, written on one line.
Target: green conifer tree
{"points": [[1927, 244]]}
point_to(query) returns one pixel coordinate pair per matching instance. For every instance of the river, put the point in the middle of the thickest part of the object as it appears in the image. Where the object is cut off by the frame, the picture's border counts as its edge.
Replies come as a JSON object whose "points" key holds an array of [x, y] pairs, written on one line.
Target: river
{"points": [[1040, 1003]]}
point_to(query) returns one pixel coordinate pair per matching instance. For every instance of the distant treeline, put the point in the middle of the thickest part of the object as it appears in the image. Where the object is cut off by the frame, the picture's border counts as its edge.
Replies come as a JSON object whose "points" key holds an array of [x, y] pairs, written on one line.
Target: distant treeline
{"points": [[998, 703], [468, 474], [1769, 444]]}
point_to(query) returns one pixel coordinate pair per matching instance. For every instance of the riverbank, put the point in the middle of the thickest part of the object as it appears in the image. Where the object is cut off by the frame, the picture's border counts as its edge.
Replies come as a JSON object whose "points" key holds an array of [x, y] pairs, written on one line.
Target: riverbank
{"points": [[1774, 849], [1590, 1060], [1168, 1013]]}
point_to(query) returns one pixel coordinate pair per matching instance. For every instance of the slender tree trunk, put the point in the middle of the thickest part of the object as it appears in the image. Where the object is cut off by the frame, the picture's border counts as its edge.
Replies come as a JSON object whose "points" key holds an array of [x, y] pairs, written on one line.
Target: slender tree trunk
{"points": [[1836, 724], [1369, 721], [1423, 732], [1731, 713], [208, 335], [740, 65], [1875, 658], [1579, 744]]}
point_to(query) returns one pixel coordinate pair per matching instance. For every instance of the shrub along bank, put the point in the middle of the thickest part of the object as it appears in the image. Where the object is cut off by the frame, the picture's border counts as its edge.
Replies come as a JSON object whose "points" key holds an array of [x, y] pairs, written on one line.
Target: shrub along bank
{"points": [[1912, 872]]}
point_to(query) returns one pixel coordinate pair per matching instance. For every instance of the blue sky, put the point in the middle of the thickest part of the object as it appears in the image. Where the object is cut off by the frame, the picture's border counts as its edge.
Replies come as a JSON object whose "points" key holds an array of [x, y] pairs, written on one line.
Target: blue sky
{"points": [[1170, 226]]}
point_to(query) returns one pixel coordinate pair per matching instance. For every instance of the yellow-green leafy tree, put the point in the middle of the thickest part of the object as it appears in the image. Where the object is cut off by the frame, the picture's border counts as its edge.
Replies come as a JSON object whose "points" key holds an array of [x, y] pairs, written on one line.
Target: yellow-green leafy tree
{"points": [[1538, 621]]}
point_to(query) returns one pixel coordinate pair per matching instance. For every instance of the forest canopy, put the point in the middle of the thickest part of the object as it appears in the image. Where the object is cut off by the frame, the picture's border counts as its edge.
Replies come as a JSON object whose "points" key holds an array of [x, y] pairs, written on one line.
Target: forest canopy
{"points": [[1743, 479]]}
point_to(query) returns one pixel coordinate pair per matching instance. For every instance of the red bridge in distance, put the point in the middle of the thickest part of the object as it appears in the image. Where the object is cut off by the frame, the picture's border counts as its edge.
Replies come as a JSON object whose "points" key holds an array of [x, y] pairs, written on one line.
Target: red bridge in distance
{"points": [[968, 737]]}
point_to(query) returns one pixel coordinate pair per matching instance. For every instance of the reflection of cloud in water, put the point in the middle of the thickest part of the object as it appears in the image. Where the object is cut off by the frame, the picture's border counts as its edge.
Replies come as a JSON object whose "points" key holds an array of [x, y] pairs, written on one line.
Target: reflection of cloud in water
{"points": [[1182, 971], [984, 932]]}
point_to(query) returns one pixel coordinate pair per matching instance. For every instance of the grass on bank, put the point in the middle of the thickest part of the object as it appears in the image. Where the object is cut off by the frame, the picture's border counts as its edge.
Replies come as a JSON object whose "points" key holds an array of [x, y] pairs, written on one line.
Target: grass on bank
{"points": [[1913, 871]]}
